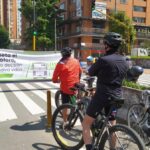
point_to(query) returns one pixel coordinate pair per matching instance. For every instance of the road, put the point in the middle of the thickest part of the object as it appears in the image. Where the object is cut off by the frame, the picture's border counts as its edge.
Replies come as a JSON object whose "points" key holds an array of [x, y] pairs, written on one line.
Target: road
{"points": [[23, 116], [23, 110]]}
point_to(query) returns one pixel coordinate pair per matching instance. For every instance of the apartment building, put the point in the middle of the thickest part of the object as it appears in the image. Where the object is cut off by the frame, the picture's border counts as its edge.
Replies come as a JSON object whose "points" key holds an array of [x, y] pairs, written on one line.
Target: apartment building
{"points": [[10, 17], [1, 12], [83, 28]]}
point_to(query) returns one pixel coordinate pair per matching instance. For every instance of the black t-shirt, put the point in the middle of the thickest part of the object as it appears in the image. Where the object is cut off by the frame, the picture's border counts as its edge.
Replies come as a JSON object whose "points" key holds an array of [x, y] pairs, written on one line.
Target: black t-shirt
{"points": [[111, 70]]}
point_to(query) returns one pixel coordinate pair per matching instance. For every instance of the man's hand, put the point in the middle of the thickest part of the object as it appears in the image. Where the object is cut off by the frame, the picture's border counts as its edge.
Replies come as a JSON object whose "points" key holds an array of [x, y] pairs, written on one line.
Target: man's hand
{"points": [[56, 81]]}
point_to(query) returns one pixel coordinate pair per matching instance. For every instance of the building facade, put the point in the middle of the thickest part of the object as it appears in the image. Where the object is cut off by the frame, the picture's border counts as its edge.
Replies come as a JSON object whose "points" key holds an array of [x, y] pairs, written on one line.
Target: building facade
{"points": [[1, 13], [10, 17], [83, 28]]}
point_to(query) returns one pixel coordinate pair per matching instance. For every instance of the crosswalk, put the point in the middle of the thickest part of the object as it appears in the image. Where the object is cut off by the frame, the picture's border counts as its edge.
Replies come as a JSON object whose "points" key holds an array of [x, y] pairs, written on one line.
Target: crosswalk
{"points": [[19, 93], [32, 97]]}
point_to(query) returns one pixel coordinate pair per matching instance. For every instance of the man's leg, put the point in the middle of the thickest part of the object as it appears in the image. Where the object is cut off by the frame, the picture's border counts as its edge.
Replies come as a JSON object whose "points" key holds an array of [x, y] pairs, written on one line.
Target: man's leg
{"points": [[87, 122], [65, 100], [113, 137]]}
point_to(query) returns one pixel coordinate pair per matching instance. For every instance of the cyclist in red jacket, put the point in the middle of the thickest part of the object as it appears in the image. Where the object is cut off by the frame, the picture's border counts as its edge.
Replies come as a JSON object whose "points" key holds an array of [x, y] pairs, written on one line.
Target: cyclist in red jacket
{"points": [[67, 72]]}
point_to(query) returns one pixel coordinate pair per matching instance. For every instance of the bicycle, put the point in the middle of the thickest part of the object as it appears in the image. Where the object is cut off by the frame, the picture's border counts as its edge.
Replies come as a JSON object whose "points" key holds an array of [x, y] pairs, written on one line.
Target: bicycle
{"points": [[69, 137], [89, 81], [138, 117]]}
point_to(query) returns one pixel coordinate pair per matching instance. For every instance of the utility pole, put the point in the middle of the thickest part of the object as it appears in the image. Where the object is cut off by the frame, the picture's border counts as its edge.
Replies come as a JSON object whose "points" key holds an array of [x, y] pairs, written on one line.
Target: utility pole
{"points": [[115, 6], [55, 24], [34, 32]]}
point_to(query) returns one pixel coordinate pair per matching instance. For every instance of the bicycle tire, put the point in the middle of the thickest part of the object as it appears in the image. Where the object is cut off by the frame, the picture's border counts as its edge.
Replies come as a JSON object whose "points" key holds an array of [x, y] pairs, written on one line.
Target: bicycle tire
{"points": [[138, 144], [61, 135], [58, 99], [134, 117]]}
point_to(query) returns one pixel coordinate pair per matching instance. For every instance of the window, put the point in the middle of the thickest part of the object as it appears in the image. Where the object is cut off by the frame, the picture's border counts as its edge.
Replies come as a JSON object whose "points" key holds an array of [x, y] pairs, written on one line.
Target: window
{"points": [[139, 8], [123, 1], [139, 19], [62, 6]]}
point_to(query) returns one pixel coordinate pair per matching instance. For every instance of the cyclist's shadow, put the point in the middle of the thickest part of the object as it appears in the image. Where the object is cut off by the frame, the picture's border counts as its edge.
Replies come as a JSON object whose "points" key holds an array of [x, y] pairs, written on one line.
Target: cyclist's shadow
{"points": [[44, 146], [33, 125]]}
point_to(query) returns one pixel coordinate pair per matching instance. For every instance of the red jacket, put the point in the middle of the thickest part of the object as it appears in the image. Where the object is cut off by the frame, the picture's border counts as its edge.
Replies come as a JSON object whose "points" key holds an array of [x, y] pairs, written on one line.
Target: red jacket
{"points": [[68, 72]]}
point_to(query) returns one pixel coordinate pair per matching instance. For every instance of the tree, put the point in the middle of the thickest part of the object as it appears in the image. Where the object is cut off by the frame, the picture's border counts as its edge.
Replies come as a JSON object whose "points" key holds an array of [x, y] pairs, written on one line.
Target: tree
{"points": [[44, 23], [120, 23], [4, 37]]}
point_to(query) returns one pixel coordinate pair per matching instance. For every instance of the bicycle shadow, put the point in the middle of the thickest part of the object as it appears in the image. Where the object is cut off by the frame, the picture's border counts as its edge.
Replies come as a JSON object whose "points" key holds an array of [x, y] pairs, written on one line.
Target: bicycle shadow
{"points": [[44, 146], [33, 125]]}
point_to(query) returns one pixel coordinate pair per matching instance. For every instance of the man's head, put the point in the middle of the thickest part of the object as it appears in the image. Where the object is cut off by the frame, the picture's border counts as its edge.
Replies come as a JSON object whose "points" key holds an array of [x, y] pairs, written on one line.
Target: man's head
{"points": [[66, 52], [90, 60], [112, 41]]}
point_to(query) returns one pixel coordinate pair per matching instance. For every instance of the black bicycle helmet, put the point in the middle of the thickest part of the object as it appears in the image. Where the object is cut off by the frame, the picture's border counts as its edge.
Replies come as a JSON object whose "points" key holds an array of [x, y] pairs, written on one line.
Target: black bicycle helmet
{"points": [[113, 39], [134, 72], [66, 52]]}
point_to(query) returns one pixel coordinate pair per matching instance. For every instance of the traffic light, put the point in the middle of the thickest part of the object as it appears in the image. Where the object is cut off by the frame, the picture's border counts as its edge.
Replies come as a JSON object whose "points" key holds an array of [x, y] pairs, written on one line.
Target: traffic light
{"points": [[34, 33], [93, 4]]}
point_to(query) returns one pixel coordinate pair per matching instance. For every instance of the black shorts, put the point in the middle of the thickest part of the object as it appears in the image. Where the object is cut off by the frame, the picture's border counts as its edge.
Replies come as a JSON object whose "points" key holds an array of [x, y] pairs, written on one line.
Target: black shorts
{"points": [[66, 98], [98, 103]]}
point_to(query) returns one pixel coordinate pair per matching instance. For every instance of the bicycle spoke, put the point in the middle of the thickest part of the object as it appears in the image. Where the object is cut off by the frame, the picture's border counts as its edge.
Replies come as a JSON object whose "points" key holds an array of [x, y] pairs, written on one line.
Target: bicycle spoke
{"points": [[70, 132]]}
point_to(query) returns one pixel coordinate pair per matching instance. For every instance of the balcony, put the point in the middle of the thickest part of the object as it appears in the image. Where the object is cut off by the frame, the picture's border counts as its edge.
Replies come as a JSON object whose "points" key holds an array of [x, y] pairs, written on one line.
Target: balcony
{"points": [[91, 46], [83, 31], [143, 35]]}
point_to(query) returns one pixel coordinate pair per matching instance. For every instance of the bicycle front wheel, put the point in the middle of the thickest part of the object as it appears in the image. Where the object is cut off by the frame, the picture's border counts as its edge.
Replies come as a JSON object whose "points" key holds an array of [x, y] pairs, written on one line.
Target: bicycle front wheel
{"points": [[68, 135], [136, 120], [121, 137]]}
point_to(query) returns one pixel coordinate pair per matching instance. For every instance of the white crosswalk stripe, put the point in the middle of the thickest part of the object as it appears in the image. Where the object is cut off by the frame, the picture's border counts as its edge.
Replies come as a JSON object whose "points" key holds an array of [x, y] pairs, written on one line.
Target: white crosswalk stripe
{"points": [[26, 100], [6, 111]]}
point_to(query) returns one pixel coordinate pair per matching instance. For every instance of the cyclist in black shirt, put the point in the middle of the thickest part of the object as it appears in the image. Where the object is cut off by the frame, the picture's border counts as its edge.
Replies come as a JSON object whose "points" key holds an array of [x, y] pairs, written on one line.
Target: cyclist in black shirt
{"points": [[110, 71]]}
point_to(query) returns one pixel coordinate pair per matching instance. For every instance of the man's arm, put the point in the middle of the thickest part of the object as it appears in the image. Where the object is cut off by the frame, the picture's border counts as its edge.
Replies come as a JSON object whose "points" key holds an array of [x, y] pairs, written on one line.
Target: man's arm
{"points": [[95, 68], [56, 74]]}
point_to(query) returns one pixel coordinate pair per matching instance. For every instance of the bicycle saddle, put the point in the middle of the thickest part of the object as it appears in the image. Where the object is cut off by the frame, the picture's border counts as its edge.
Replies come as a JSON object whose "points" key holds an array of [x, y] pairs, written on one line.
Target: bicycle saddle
{"points": [[89, 79], [78, 86]]}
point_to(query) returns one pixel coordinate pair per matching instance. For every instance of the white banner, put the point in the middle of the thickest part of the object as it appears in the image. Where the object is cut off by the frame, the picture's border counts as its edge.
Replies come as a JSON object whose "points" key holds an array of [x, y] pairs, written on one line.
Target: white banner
{"points": [[27, 65], [100, 10]]}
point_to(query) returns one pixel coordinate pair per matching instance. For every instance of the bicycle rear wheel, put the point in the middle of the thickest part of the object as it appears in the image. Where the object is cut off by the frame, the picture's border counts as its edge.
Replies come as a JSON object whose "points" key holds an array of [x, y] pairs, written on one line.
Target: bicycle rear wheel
{"points": [[125, 139], [136, 121], [68, 136], [58, 98]]}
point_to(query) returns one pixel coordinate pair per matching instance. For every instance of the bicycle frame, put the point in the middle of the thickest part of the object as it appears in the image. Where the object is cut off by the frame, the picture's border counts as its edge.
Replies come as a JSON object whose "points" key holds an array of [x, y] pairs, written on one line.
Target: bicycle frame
{"points": [[105, 127]]}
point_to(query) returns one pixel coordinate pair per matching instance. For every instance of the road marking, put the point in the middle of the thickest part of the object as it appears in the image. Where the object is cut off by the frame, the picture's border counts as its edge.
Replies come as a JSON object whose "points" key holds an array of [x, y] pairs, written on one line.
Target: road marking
{"points": [[6, 111], [32, 107], [42, 85], [39, 93]]}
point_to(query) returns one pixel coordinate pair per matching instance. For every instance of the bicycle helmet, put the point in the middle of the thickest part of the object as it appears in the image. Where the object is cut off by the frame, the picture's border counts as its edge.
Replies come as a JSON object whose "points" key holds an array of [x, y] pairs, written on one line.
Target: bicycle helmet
{"points": [[90, 59], [134, 72], [66, 52], [113, 39]]}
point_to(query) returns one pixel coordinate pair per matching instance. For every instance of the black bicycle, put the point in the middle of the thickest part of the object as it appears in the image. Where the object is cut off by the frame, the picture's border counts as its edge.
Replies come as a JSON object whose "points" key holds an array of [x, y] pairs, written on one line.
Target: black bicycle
{"points": [[80, 93], [139, 117], [69, 135]]}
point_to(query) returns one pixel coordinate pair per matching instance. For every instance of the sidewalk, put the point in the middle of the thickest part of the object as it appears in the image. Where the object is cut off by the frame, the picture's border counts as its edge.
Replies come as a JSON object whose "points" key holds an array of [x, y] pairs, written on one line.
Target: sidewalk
{"points": [[146, 71]]}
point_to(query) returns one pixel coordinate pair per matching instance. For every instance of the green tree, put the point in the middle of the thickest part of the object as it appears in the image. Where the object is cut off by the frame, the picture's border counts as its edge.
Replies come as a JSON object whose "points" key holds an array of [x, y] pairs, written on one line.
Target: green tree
{"points": [[4, 37], [44, 22], [120, 23]]}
